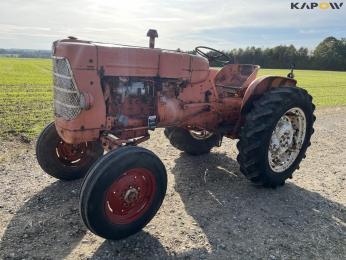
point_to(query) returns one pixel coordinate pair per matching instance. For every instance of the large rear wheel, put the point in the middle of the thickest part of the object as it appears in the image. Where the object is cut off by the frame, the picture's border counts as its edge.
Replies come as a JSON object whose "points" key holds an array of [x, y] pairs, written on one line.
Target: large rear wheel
{"points": [[122, 192], [191, 141], [62, 160], [276, 135]]}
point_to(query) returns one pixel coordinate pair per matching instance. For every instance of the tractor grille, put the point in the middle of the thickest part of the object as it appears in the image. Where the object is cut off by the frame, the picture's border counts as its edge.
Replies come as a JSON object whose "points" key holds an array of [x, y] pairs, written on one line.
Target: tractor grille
{"points": [[66, 94]]}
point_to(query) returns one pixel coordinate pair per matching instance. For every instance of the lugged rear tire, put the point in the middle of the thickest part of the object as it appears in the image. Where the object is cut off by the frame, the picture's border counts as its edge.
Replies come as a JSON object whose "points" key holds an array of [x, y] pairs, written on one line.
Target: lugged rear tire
{"points": [[256, 135], [183, 140]]}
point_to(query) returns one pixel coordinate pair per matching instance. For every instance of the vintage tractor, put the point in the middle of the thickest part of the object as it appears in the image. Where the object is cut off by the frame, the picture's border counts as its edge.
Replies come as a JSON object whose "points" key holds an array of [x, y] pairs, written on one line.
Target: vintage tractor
{"points": [[107, 99]]}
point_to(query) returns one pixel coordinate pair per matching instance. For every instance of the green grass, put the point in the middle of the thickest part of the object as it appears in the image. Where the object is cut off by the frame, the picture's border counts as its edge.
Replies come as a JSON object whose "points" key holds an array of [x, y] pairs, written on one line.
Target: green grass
{"points": [[15, 71], [26, 93], [328, 88], [25, 96]]}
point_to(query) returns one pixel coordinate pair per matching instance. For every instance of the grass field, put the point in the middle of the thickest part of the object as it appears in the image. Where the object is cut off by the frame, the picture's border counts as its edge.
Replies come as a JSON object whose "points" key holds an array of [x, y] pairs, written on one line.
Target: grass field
{"points": [[328, 88], [25, 96], [26, 93]]}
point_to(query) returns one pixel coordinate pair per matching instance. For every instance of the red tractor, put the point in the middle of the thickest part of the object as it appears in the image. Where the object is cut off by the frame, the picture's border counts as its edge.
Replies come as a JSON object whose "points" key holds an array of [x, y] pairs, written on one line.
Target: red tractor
{"points": [[109, 97]]}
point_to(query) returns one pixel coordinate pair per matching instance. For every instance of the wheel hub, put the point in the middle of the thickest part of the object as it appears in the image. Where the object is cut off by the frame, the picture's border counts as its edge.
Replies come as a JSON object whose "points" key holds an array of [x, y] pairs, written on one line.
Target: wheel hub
{"points": [[282, 136], [287, 139], [130, 195], [71, 154]]}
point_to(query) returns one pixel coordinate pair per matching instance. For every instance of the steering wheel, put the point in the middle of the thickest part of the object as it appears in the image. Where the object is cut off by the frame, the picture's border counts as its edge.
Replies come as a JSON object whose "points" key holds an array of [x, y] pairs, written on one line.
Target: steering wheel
{"points": [[211, 57]]}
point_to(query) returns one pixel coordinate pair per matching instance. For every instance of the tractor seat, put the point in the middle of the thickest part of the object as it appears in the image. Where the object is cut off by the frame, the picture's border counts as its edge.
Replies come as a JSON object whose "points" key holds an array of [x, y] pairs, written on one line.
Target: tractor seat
{"points": [[234, 76]]}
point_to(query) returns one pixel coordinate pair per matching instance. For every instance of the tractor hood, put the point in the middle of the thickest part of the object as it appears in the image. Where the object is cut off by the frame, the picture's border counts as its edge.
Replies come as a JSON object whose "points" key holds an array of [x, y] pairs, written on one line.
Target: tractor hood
{"points": [[117, 60]]}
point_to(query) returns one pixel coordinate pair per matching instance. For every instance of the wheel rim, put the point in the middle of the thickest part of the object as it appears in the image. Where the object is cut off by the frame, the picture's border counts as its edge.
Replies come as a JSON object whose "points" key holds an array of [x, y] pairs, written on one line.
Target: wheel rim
{"points": [[130, 196], [71, 154], [287, 140], [200, 135]]}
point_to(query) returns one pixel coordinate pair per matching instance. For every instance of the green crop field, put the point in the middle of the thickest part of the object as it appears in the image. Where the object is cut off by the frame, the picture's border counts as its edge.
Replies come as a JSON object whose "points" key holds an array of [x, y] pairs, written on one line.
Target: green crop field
{"points": [[25, 96], [26, 93]]}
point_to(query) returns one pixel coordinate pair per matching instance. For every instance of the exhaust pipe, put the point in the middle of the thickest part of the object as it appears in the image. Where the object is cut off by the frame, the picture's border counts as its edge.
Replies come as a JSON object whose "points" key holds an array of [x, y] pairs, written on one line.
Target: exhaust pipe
{"points": [[152, 34]]}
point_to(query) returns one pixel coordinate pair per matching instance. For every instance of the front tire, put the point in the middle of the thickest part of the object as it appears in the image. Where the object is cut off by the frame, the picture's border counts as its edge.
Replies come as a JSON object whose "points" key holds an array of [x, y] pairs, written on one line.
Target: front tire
{"points": [[62, 160], [276, 135], [122, 192], [192, 142]]}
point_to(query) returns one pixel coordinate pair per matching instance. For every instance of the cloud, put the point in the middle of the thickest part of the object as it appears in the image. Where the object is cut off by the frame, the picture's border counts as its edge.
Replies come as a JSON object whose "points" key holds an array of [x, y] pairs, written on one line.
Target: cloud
{"points": [[14, 28], [180, 23]]}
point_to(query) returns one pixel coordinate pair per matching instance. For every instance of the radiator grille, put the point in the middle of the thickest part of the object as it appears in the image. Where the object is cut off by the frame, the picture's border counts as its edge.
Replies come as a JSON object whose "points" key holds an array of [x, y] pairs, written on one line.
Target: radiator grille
{"points": [[66, 94]]}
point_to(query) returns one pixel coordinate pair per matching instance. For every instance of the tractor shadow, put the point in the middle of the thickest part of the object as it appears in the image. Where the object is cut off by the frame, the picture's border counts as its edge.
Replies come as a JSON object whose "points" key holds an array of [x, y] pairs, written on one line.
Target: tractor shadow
{"points": [[47, 226], [238, 220], [139, 246], [241, 220]]}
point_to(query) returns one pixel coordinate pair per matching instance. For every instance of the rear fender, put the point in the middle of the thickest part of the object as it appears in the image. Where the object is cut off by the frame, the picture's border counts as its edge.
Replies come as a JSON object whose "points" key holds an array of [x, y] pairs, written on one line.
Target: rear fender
{"points": [[261, 85], [256, 89]]}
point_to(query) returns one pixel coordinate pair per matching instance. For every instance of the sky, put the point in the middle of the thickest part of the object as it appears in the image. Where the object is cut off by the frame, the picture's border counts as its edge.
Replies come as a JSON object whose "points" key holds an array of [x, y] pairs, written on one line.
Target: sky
{"points": [[184, 24]]}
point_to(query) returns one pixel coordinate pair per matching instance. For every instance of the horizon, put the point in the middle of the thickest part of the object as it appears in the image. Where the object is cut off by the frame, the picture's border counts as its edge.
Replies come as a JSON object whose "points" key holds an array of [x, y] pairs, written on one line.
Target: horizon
{"points": [[180, 24], [261, 47]]}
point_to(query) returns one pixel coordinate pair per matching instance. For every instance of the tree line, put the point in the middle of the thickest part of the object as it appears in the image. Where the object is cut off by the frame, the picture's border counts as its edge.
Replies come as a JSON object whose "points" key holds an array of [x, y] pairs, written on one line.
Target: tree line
{"points": [[24, 53], [330, 54]]}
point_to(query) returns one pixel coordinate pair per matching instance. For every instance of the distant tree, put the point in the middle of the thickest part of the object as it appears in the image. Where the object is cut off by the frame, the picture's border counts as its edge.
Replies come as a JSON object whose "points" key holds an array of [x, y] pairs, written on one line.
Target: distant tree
{"points": [[24, 53], [331, 54]]}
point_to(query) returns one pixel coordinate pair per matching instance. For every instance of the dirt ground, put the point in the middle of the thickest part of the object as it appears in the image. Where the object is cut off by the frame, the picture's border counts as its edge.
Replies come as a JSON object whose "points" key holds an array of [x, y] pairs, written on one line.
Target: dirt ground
{"points": [[210, 211]]}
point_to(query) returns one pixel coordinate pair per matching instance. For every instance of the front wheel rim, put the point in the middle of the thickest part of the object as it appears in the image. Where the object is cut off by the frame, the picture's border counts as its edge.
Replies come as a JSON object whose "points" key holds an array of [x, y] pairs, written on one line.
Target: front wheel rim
{"points": [[130, 196], [71, 154], [287, 139]]}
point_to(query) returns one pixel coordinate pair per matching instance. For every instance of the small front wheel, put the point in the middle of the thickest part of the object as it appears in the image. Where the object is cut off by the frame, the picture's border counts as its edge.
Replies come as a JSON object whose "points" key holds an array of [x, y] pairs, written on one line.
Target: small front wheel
{"points": [[122, 192], [62, 160]]}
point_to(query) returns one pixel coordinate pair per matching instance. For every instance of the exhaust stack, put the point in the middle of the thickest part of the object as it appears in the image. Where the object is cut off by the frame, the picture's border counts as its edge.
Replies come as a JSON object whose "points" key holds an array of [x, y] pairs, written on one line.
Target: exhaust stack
{"points": [[152, 34]]}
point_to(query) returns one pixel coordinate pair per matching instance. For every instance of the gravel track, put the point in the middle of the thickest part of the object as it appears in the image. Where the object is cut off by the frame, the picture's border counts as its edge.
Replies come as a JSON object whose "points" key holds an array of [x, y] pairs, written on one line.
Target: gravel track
{"points": [[210, 211]]}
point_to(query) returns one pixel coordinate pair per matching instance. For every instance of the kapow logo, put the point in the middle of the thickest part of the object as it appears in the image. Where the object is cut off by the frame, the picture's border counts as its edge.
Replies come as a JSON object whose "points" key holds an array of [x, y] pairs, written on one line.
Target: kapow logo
{"points": [[315, 5]]}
